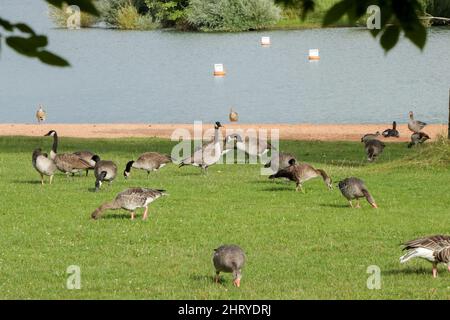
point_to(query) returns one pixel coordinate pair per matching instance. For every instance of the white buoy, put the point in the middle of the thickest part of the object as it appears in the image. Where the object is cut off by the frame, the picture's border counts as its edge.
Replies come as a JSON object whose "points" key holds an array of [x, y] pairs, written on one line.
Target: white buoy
{"points": [[265, 41], [219, 70], [313, 54]]}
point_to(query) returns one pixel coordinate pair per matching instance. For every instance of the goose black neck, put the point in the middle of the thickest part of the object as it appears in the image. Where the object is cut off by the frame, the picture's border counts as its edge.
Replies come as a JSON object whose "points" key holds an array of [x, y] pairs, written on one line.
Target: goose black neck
{"points": [[55, 142], [129, 165]]}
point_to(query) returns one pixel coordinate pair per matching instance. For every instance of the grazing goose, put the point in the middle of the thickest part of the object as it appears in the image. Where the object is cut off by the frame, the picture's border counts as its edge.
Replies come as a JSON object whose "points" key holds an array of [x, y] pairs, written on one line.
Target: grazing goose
{"points": [[43, 165], [149, 161], [391, 132], [208, 154], [233, 115], [370, 136], [279, 161], [40, 114], [418, 138], [130, 200], [354, 188], [435, 249], [104, 170], [415, 125], [374, 148], [300, 173], [253, 147], [230, 259], [86, 156], [66, 162]]}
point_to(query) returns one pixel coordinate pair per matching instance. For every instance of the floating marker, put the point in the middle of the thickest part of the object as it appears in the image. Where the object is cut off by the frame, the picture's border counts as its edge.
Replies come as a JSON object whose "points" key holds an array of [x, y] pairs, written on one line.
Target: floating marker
{"points": [[219, 71], [314, 54], [265, 41]]}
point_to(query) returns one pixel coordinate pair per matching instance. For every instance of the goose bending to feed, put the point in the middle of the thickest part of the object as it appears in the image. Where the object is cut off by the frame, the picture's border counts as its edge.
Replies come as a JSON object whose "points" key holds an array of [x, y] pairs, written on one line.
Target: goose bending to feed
{"points": [[66, 162], [104, 170], [86, 156], [354, 188], [230, 259], [207, 155], [280, 161], [130, 200], [374, 148], [149, 161], [418, 138], [435, 249], [391, 132], [370, 136], [300, 173], [415, 125], [43, 165], [233, 115], [252, 146], [41, 115]]}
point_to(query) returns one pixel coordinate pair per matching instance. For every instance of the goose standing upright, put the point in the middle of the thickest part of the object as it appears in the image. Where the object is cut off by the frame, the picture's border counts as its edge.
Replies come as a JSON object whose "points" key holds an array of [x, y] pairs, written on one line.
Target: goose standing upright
{"points": [[149, 161], [41, 115], [130, 200], [301, 173], [43, 165], [374, 148], [418, 138], [354, 188], [435, 249], [391, 132], [66, 162], [415, 125], [231, 259], [104, 170], [253, 147]]}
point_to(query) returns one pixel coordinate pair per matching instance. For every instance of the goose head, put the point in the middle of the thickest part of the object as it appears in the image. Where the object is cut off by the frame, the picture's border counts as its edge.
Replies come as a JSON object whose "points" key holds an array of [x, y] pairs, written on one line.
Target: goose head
{"points": [[411, 115], [291, 162], [51, 133], [95, 158], [127, 171], [217, 125]]}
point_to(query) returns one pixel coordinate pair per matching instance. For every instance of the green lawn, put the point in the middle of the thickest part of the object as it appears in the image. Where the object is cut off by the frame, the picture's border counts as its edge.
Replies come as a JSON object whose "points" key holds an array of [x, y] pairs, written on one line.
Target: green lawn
{"points": [[298, 246]]}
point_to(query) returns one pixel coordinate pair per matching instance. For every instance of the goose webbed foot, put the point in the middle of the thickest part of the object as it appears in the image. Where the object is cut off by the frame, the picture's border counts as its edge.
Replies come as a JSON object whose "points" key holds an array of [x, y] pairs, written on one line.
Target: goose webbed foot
{"points": [[217, 278], [358, 205]]}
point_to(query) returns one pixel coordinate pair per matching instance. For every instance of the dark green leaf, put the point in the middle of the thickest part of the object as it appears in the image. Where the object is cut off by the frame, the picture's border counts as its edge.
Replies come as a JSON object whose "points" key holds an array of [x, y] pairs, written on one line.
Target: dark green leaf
{"points": [[390, 37], [417, 35], [21, 45], [52, 59], [6, 25], [24, 28], [335, 13], [85, 5]]}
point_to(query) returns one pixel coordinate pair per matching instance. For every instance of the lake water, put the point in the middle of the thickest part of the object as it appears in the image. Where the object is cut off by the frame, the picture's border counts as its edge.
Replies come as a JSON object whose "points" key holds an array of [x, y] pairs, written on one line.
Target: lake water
{"points": [[166, 76]]}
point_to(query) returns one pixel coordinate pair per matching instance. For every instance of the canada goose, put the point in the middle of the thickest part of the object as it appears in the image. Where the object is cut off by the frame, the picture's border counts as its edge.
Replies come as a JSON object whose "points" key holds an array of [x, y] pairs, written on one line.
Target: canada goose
{"points": [[43, 165], [130, 200], [86, 156], [233, 115], [370, 136], [253, 147], [300, 173], [40, 114], [391, 132], [149, 161], [354, 188], [279, 161], [374, 148], [418, 138], [66, 162], [208, 154], [231, 259], [415, 125], [435, 249], [104, 170]]}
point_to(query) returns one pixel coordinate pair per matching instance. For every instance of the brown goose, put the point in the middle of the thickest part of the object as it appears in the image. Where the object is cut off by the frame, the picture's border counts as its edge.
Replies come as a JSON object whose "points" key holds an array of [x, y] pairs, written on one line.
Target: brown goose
{"points": [[86, 156], [130, 200], [231, 259], [418, 138], [104, 170], [43, 165], [149, 161], [435, 249], [40, 114], [391, 132], [415, 125], [300, 173], [354, 188], [279, 161], [370, 136], [233, 115], [374, 148], [252, 146], [66, 162]]}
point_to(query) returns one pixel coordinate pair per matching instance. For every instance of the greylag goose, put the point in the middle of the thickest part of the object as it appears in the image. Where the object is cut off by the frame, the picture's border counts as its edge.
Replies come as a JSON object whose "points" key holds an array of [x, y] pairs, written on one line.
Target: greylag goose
{"points": [[149, 161], [391, 132], [418, 138], [435, 249], [253, 147], [104, 170], [66, 162], [233, 115], [280, 160], [230, 259], [354, 188], [41, 115], [86, 156], [43, 165], [415, 125], [370, 136], [130, 200], [300, 173], [374, 148], [209, 154]]}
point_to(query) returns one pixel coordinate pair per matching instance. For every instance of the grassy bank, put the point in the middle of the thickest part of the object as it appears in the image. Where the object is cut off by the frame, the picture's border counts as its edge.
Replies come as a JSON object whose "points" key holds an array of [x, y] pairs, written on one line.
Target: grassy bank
{"points": [[298, 245]]}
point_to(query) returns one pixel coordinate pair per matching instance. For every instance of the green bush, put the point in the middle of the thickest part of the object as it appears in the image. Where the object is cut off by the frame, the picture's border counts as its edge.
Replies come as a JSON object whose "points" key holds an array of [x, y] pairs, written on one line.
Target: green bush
{"points": [[170, 13], [232, 15], [128, 18]]}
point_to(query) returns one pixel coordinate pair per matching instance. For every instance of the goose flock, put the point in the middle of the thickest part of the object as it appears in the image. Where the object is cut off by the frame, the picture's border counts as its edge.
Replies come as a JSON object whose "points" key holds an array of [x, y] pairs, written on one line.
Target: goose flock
{"points": [[231, 258]]}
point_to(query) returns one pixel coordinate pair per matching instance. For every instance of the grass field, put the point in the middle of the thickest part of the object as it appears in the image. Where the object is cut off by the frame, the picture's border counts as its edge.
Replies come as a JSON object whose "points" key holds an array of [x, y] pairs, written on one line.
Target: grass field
{"points": [[298, 246]]}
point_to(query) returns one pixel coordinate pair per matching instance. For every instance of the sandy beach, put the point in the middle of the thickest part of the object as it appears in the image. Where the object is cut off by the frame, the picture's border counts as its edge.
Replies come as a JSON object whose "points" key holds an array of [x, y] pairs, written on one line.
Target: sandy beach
{"points": [[323, 132]]}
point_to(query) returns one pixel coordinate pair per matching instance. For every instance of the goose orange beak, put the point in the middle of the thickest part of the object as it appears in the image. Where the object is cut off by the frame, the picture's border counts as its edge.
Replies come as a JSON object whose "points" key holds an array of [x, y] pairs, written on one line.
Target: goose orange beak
{"points": [[374, 205], [237, 283]]}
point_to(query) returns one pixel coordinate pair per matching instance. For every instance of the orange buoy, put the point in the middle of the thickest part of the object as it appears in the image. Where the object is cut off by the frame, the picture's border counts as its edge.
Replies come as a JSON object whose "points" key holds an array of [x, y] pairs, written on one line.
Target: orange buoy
{"points": [[219, 71], [313, 54]]}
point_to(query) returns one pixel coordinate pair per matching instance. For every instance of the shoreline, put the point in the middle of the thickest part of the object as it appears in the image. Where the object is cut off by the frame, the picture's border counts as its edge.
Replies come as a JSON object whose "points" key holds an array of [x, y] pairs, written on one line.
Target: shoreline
{"points": [[321, 132]]}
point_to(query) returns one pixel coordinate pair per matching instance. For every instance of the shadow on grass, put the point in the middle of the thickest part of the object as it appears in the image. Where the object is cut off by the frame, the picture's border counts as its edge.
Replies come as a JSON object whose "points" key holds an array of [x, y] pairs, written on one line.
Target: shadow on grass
{"points": [[28, 182], [395, 272], [119, 216], [207, 279], [333, 205], [280, 188]]}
